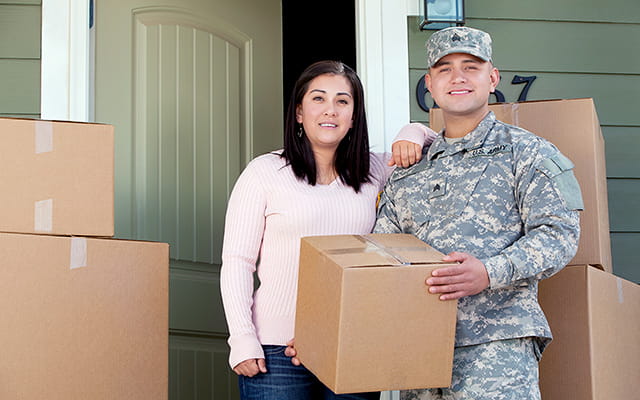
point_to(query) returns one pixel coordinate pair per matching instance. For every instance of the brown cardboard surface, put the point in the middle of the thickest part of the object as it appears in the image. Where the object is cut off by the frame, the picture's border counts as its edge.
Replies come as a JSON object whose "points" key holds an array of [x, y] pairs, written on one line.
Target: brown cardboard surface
{"points": [[67, 165], [94, 332], [572, 125], [595, 323], [353, 294]]}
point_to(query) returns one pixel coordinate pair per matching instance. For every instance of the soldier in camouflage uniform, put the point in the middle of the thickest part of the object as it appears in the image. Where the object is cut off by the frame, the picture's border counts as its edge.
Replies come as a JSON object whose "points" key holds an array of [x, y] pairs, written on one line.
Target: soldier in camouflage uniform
{"points": [[500, 201]]}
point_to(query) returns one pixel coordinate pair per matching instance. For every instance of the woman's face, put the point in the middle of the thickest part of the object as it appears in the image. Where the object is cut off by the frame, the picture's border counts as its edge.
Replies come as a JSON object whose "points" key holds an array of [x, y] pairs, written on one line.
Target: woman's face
{"points": [[326, 111]]}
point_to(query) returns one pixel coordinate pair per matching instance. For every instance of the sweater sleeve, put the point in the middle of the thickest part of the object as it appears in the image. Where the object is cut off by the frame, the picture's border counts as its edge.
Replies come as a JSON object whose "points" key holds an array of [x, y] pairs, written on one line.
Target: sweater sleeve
{"points": [[417, 133], [244, 227], [414, 132]]}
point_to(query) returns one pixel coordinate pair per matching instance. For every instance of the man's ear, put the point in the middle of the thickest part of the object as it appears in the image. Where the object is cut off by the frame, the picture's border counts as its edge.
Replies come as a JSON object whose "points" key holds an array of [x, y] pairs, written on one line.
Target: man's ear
{"points": [[494, 77], [427, 81]]}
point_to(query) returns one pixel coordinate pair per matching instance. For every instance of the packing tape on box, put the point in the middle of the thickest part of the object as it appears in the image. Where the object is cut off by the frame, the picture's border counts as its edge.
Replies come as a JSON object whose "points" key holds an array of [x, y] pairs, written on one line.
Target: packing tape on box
{"points": [[391, 253], [44, 136], [515, 108], [388, 251], [369, 248], [620, 291], [43, 216], [78, 258]]}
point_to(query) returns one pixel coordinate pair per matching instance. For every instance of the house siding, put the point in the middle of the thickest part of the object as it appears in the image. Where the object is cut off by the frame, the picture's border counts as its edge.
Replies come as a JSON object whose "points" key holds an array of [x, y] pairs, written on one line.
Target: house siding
{"points": [[20, 23], [575, 51]]}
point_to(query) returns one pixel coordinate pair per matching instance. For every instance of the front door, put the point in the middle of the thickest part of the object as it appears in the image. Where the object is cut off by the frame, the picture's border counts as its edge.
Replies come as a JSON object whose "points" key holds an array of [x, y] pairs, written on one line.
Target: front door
{"points": [[194, 91]]}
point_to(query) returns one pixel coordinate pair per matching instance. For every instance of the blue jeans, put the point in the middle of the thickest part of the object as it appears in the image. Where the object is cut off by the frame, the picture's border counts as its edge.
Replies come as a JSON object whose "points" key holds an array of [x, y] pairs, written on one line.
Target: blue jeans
{"points": [[285, 381]]}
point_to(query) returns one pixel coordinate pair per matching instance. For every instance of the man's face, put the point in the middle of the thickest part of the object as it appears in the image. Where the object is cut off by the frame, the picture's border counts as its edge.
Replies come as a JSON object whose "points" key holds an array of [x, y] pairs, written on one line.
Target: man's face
{"points": [[461, 84]]}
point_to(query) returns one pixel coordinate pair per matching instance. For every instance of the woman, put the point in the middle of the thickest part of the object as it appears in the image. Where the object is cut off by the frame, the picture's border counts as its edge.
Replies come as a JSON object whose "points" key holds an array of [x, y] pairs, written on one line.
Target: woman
{"points": [[323, 182]]}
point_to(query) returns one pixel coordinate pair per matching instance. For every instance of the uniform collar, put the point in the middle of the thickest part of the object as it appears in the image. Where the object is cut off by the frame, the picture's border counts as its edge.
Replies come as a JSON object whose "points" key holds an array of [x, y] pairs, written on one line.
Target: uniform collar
{"points": [[470, 141]]}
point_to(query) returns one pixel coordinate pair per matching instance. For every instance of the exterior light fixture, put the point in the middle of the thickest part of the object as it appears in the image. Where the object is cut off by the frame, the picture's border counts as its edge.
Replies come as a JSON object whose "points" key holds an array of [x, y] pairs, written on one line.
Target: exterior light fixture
{"points": [[440, 14]]}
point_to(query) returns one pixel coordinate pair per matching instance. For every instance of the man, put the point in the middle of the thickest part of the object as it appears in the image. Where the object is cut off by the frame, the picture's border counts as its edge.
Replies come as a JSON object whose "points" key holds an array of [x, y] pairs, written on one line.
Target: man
{"points": [[500, 201]]}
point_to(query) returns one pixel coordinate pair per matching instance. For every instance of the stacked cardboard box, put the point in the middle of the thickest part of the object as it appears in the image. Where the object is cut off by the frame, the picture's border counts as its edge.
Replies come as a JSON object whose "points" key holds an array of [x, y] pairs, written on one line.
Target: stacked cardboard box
{"points": [[595, 322], [592, 313], [84, 316], [57, 177]]}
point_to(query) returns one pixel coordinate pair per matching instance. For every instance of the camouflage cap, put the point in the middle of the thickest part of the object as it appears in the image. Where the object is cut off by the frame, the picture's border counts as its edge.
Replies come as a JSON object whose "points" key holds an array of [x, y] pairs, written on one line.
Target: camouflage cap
{"points": [[458, 39]]}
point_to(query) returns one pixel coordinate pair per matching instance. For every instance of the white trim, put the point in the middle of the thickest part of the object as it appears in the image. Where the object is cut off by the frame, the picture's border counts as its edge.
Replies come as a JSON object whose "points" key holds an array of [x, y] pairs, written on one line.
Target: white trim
{"points": [[414, 7], [383, 65], [66, 83]]}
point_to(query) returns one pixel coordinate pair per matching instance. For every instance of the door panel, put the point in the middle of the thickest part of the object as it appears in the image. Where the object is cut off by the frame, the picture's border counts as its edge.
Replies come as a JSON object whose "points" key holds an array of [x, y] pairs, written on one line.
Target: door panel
{"points": [[188, 108], [186, 85]]}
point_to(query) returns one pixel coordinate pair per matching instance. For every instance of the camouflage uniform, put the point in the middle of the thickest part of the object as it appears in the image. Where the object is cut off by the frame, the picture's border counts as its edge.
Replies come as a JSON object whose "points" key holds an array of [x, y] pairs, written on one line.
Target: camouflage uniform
{"points": [[476, 376], [505, 196], [458, 40]]}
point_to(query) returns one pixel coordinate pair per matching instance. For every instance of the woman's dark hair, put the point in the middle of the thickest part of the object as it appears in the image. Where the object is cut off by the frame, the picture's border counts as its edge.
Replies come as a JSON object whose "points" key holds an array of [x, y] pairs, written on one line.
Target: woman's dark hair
{"points": [[352, 155]]}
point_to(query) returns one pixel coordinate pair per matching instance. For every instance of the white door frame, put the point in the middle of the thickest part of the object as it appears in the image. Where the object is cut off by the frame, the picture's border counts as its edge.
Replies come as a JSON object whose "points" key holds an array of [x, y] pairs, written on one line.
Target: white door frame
{"points": [[383, 65], [66, 87]]}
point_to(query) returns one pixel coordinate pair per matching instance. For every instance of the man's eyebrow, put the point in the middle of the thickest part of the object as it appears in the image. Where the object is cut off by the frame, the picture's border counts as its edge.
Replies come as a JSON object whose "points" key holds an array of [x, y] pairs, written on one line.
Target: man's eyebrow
{"points": [[441, 63]]}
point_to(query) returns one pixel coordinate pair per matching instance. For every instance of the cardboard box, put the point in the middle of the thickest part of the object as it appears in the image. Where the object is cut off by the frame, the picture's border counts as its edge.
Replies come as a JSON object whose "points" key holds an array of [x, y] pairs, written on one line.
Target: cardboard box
{"points": [[57, 177], [595, 321], [354, 293], [83, 318], [572, 125]]}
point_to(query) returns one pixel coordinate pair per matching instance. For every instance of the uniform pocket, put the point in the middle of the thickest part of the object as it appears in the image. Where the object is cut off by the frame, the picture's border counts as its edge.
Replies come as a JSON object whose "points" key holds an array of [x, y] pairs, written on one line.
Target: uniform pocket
{"points": [[559, 169], [470, 185]]}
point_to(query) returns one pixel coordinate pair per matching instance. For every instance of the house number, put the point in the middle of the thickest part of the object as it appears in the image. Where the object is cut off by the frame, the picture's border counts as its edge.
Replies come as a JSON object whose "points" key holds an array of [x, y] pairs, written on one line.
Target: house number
{"points": [[421, 91]]}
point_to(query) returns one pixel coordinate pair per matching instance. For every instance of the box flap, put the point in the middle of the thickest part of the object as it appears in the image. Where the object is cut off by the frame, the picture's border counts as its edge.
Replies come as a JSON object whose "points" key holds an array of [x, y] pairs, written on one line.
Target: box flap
{"points": [[375, 250]]}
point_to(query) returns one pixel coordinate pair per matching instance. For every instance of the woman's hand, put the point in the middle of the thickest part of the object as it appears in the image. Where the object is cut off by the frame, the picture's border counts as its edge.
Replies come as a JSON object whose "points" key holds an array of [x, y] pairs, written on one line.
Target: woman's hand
{"points": [[405, 153], [251, 367], [290, 351]]}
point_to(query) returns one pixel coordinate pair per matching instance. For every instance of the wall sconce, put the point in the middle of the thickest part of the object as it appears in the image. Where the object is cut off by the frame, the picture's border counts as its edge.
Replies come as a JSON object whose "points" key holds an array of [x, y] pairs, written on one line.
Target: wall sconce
{"points": [[440, 14]]}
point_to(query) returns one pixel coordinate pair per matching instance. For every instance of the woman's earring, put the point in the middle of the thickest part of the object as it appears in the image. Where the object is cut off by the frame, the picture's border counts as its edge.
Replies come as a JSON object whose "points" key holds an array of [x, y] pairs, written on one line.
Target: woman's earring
{"points": [[300, 132]]}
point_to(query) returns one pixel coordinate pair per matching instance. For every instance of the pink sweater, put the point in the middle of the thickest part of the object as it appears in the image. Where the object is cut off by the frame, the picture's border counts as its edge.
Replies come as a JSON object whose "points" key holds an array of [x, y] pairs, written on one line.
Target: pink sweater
{"points": [[268, 212]]}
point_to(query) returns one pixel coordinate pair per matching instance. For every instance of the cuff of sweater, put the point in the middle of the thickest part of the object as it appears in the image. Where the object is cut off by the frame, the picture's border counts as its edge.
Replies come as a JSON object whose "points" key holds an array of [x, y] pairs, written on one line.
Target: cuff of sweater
{"points": [[417, 133], [245, 347]]}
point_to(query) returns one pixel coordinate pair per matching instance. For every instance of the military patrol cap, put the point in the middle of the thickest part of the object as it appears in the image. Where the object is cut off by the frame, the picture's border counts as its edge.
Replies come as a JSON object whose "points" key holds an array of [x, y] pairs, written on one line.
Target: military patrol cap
{"points": [[458, 39]]}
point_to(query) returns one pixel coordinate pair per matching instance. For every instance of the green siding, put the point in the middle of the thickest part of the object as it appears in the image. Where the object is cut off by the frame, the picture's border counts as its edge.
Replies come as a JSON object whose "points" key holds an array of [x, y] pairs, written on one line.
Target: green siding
{"points": [[19, 31], [624, 258], [621, 148], [524, 45], [20, 83], [576, 49], [20, 58], [624, 203], [25, 2], [622, 11]]}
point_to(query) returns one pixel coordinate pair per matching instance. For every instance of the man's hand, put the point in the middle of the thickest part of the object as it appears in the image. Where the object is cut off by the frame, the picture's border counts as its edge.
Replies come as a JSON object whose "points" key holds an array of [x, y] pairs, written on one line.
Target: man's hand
{"points": [[405, 153], [251, 367], [465, 279], [290, 351]]}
